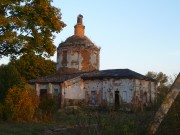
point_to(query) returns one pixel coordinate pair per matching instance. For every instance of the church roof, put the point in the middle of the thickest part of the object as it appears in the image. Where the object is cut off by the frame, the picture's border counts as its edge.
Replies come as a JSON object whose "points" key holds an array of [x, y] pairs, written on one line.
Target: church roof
{"points": [[77, 40], [102, 74], [116, 73], [53, 78]]}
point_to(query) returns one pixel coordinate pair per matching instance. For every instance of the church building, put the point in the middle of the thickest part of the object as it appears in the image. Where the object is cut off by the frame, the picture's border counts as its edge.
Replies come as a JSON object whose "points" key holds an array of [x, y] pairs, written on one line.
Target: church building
{"points": [[79, 80]]}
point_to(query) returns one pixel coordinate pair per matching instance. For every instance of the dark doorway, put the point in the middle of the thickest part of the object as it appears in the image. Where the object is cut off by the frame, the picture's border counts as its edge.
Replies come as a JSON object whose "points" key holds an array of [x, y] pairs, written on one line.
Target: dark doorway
{"points": [[116, 99], [57, 97], [43, 94]]}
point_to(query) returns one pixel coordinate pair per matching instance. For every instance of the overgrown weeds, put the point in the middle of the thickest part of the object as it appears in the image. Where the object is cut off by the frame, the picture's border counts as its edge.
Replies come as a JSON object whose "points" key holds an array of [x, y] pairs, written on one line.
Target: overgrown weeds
{"points": [[98, 122], [87, 121]]}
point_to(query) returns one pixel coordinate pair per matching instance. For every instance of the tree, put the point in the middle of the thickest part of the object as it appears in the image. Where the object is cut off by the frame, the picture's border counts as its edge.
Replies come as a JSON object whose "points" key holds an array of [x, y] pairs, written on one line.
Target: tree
{"points": [[17, 72], [162, 84], [9, 76], [21, 104], [28, 26], [32, 66], [160, 77]]}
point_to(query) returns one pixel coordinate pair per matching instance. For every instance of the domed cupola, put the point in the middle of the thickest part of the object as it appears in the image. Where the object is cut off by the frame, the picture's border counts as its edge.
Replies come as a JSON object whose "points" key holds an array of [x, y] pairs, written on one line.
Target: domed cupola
{"points": [[78, 53]]}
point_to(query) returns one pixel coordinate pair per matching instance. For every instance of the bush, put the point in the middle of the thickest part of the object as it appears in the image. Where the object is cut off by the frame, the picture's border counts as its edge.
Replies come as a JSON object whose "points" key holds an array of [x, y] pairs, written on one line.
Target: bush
{"points": [[21, 104], [1, 111], [47, 105]]}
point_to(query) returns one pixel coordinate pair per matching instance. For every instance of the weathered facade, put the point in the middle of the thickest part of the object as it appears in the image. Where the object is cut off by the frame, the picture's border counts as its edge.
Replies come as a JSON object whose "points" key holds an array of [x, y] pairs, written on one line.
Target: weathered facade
{"points": [[79, 79]]}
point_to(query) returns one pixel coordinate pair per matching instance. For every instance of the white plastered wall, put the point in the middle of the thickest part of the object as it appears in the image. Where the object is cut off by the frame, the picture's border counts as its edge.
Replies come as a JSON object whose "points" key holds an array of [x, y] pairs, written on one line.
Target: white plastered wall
{"points": [[143, 90], [73, 89]]}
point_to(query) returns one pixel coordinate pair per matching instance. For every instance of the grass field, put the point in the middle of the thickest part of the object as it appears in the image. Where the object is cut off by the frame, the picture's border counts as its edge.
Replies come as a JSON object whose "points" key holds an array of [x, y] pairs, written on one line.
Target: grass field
{"points": [[85, 122]]}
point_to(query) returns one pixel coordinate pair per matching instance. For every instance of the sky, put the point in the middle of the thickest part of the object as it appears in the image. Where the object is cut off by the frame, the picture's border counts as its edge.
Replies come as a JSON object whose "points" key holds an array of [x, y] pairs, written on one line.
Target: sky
{"points": [[141, 35]]}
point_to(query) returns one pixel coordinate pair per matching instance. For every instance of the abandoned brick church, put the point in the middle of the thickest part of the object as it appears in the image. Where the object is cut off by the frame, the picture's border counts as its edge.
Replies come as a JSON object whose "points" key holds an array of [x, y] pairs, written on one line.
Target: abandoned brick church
{"points": [[79, 79]]}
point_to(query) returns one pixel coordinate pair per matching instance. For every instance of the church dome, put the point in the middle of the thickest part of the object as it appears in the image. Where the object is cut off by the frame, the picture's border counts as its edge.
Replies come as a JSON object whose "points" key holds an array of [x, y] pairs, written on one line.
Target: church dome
{"points": [[76, 39], [78, 54], [79, 37]]}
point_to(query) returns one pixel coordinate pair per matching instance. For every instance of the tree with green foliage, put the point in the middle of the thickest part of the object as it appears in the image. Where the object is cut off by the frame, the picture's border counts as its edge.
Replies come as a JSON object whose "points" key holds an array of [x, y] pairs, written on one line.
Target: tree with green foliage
{"points": [[28, 26], [162, 84], [32, 66], [160, 77], [9, 76], [17, 72]]}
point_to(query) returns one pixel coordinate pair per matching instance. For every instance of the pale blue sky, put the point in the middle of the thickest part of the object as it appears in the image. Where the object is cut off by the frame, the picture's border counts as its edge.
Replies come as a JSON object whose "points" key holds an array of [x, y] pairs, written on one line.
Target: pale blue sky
{"points": [[142, 35]]}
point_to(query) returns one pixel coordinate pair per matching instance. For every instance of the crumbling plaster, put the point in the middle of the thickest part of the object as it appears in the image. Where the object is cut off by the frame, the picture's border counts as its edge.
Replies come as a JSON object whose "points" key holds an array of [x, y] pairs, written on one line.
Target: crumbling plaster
{"points": [[141, 90], [73, 89], [79, 59]]}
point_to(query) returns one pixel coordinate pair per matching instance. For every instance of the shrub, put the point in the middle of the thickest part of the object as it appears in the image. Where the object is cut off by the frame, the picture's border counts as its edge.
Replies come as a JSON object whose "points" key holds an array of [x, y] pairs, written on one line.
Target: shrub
{"points": [[1, 111], [47, 104], [21, 104]]}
